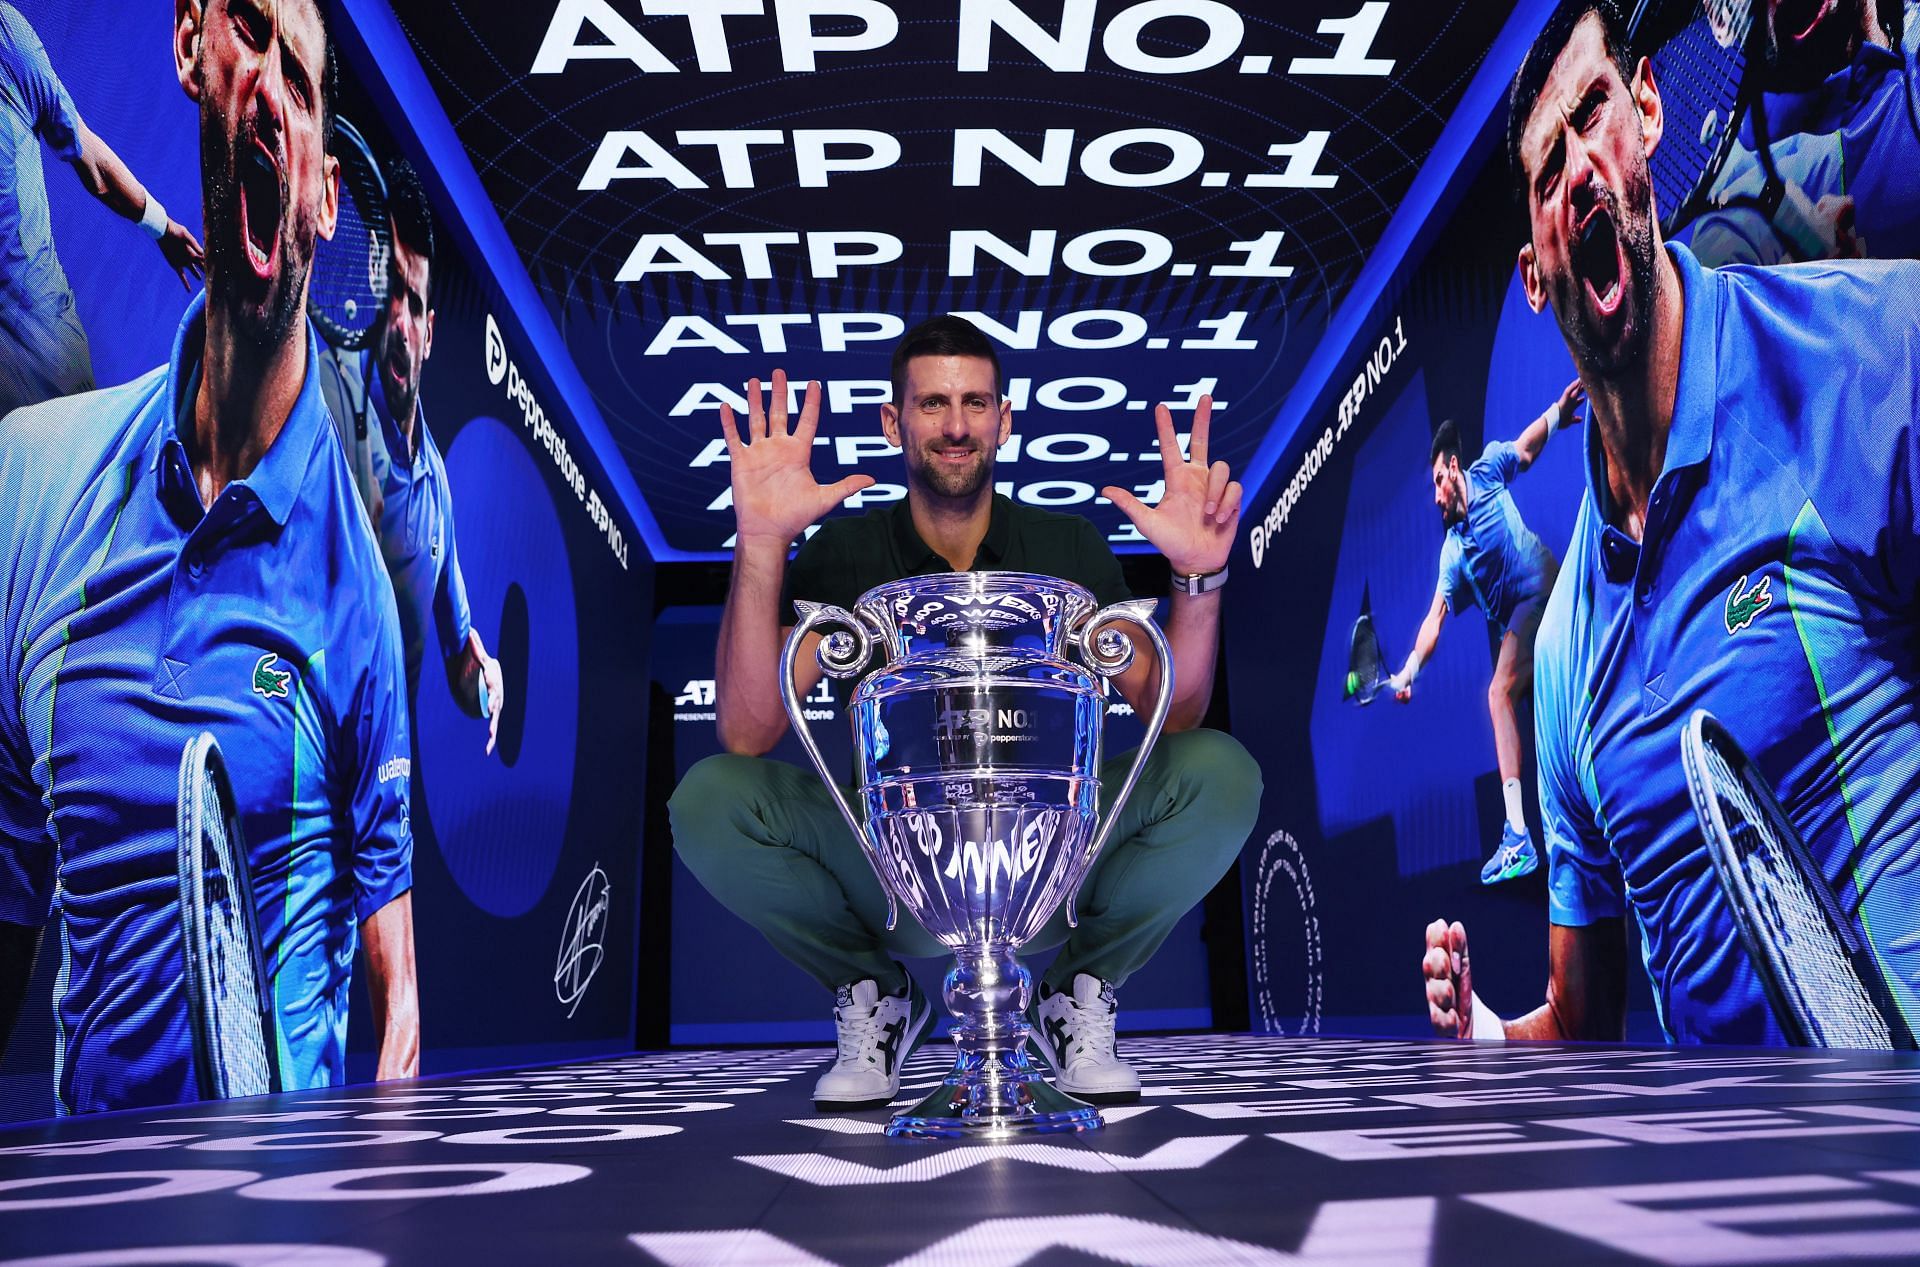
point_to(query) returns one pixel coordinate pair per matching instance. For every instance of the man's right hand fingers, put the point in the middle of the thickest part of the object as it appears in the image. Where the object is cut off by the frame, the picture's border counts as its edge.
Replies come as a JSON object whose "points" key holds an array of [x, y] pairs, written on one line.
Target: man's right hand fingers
{"points": [[809, 414], [777, 412], [756, 412], [848, 487], [1438, 965], [1437, 933]]}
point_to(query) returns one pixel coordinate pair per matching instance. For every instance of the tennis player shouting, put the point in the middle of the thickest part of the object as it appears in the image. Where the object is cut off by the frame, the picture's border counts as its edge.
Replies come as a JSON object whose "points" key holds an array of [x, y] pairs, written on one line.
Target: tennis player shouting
{"points": [[186, 553], [1749, 543]]}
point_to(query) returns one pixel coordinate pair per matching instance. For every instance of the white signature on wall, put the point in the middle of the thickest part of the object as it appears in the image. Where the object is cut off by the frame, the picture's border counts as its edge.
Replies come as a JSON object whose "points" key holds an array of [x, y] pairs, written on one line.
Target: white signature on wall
{"points": [[581, 948]]}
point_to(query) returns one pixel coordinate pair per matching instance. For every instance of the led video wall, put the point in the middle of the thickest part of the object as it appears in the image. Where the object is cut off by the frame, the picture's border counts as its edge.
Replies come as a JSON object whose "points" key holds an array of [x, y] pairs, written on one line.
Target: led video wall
{"points": [[1484, 604], [377, 571], [1140, 202]]}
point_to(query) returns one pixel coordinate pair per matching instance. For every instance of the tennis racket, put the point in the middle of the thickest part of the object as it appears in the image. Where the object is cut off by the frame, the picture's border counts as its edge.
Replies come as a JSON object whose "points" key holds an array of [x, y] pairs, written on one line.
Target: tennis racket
{"points": [[1366, 668], [349, 280], [1816, 968], [233, 1033], [1700, 51]]}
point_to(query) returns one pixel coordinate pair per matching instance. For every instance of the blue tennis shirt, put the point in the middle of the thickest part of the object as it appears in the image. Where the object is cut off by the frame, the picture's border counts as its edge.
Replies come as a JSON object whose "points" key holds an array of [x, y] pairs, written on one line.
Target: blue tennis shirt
{"points": [[43, 349], [1778, 586], [131, 620], [410, 502], [1856, 133], [1871, 106], [1492, 560]]}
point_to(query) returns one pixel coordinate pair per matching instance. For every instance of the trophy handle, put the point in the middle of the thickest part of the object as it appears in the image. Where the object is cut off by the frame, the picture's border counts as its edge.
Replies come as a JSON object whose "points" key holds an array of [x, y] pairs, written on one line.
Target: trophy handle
{"points": [[1137, 612], [841, 655]]}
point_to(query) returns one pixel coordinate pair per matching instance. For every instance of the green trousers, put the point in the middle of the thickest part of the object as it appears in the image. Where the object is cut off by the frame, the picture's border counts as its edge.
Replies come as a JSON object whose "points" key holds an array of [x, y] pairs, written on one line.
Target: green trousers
{"points": [[765, 839]]}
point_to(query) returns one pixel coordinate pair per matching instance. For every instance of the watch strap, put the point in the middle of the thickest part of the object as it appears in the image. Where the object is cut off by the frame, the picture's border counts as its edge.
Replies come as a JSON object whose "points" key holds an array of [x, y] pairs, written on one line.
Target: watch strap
{"points": [[1200, 583]]}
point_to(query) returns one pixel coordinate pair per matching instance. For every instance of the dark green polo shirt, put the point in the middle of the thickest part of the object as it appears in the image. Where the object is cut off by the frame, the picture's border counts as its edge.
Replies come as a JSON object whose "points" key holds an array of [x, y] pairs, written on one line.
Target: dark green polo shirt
{"points": [[851, 555]]}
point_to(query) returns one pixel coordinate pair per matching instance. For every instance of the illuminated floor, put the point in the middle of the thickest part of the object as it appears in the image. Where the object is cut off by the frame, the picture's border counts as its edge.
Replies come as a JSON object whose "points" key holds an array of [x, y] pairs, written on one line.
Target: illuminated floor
{"points": [[1243, 1150]]}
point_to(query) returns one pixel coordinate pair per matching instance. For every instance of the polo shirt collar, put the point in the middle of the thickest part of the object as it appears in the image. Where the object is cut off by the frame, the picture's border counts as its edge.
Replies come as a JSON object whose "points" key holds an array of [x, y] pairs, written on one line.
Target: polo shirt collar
{"points": [[275, 481], [1695, 404], [915, 553]]}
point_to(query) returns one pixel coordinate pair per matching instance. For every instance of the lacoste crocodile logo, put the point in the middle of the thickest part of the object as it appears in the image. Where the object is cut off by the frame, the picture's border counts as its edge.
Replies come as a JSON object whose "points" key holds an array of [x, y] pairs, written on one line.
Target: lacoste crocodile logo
{"points": [[269, 682], [1744, 604]]}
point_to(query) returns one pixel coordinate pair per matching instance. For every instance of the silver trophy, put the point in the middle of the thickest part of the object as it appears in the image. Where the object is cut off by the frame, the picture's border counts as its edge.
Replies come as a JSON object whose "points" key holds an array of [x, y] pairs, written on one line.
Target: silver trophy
{"points": [[977, 745]]}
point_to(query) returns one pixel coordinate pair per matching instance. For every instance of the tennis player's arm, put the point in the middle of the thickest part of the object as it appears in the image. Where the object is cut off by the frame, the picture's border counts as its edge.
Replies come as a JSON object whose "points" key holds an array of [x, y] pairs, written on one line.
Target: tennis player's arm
{"points": [[1425, 643], [1554, 418], [1193, 636], [467, 668], [374, 751], [110, 180], [748, 707], [1586, 986], [393, 988]]}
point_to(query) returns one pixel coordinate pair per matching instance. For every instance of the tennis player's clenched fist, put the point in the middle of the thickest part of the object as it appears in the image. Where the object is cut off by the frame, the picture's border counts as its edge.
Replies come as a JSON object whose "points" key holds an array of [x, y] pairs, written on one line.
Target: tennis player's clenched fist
{"points": [[1449, 975], [774, 493]]}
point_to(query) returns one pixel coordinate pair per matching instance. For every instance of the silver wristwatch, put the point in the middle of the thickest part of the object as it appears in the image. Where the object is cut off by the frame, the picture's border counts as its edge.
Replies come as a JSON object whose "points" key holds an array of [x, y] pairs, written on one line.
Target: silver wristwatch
{"points": [[1200, 582]]}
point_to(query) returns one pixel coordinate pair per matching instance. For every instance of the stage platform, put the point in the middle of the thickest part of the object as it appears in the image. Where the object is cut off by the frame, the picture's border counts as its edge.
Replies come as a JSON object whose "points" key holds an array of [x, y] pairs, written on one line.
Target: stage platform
{"points": [[1243, 1150]]}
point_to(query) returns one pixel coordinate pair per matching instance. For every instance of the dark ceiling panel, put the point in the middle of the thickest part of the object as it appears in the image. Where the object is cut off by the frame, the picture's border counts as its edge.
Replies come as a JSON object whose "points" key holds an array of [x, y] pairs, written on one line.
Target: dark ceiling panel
{"points": [[1160, 148]]}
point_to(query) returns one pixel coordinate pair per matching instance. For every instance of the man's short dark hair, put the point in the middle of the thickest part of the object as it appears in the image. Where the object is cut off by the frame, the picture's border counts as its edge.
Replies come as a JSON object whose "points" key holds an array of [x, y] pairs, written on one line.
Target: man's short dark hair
{"points": [[946, 335], [1532, 76], [412, 217], [1446, 444], [329, 72]]}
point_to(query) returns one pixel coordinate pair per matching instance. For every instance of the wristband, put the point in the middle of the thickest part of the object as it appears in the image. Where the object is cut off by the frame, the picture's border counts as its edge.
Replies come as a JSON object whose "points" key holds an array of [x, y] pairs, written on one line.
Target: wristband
{"points": [[153, 219], [1554, 421], [1200, 582], [1487, 1027]]}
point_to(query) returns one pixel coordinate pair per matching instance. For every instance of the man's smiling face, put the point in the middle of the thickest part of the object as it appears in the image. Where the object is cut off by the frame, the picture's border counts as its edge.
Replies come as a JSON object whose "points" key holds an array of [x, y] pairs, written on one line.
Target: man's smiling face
{"points": [[949, 423], [1590, 201]]}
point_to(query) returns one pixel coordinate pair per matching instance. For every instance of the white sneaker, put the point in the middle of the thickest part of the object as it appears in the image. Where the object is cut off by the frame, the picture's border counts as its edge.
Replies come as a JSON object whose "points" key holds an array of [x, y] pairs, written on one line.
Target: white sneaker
{"points": [[877, 1032], [1074, 1034]]}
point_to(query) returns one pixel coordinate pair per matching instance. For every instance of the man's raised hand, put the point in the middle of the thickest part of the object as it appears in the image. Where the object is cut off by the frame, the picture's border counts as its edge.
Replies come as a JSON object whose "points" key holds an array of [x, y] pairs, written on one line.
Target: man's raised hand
{"points": [[1571, 398], [775, 496], [1193, 522]]}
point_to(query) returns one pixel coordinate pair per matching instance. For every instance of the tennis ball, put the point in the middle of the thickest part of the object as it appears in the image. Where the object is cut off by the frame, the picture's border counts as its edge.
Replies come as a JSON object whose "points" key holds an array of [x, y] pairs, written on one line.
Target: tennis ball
{"points": [[1353, 683]]}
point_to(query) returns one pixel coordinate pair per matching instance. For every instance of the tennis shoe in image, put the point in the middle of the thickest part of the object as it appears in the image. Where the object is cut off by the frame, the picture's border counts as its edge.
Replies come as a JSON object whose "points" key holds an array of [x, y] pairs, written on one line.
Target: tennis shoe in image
{"points": [[1514, 858], [1074, 1033], [876, 1033]]}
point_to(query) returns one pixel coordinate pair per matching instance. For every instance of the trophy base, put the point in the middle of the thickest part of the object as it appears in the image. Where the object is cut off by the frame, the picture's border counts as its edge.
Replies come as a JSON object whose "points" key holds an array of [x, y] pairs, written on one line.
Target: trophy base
{"points": [[992, 1095]]}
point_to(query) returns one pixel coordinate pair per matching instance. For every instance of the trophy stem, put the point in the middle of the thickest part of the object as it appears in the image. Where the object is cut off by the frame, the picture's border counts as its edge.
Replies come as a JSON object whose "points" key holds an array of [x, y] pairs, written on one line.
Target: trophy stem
{"points": [[994, 1089]]}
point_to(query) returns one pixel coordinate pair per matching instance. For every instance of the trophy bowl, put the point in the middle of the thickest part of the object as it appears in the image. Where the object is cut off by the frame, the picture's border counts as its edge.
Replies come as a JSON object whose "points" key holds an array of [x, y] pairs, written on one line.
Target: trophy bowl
{"points": [[977, 747]]}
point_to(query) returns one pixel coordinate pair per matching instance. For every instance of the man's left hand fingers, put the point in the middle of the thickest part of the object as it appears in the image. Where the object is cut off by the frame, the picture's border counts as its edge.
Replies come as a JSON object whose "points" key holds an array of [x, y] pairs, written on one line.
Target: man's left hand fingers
{"points": [[1202, 424], [1130, 506], [1170, 457], [1216, 481], [1229, 503]]}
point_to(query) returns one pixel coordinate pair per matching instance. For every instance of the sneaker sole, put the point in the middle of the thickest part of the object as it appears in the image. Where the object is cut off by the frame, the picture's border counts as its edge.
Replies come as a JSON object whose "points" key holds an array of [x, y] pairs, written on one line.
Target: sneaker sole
{"points": [[915, 1040], [1039, 1052], [850, 1106], [1099, 1097], [1512, 873]]}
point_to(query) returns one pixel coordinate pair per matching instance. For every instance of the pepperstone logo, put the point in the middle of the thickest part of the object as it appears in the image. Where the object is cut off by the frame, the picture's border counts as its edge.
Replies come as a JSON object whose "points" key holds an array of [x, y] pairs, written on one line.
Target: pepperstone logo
{"points": [[1744, 604], [269, 682], [496, 352]]}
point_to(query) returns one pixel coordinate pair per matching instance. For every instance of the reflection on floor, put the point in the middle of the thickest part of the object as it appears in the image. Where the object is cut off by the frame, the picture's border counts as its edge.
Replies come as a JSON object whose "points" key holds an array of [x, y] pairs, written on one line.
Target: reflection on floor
{"points": [[1242, 1150]]}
